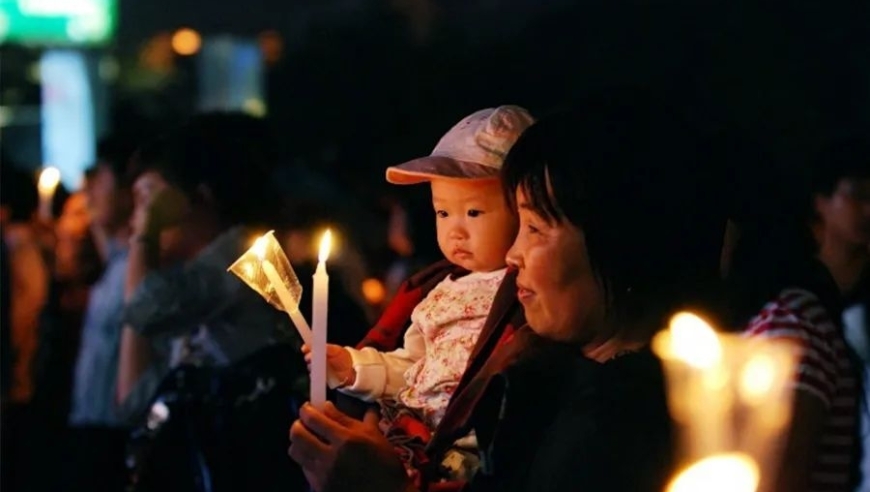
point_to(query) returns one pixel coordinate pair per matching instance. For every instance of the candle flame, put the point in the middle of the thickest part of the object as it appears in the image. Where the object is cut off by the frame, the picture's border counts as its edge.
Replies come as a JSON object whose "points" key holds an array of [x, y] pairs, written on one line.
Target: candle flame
{"points": [[732, 472], [48, 180], [694, 341], [259, 247], [325, 246]]}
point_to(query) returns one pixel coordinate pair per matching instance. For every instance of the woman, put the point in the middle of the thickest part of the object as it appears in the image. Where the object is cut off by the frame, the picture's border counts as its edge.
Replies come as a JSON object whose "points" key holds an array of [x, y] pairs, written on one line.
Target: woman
{"points": [[615, 234]]}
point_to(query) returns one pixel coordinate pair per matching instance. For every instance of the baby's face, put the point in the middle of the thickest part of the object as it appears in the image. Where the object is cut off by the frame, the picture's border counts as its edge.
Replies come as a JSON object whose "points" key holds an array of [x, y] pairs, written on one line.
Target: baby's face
{"points": [[475, 227]]}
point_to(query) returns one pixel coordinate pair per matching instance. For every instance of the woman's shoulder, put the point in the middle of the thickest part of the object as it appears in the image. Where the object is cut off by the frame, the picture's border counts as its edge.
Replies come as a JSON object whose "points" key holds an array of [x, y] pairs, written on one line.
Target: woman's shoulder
{"points": [[567, 371], [603, 416], [626, 394]]}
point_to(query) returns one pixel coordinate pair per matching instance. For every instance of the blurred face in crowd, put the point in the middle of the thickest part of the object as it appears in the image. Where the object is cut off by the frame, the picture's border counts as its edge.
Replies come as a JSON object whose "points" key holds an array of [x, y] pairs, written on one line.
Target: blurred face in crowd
{"points": [[74, 218], [845, 214], [71, 230], [474, 223], [109, 203], [555, 281], [160, 208]]}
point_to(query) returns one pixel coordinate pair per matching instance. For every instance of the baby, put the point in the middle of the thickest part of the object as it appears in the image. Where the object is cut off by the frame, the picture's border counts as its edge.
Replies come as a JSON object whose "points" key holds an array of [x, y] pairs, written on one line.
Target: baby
{"points": [[475, 228]]}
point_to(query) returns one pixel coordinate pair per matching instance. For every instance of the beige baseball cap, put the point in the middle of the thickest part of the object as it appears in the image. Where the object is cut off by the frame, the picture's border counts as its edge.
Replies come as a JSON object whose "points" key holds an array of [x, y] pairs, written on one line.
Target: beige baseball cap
{"points": [[473, 149]]}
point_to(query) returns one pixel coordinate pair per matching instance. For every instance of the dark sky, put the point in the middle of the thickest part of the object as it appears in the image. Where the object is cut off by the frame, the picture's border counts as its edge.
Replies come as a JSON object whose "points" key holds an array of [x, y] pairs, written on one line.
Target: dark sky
{"points": [[371, 82], [294, 18]]}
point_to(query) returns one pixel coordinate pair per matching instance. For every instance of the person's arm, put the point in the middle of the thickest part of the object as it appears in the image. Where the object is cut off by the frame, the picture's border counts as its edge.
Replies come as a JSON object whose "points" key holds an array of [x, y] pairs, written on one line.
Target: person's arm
{"points": [[101, 241], [382, 374], [156, 208], [813, 393], [135, 350], [29, 277], [169, 301]]}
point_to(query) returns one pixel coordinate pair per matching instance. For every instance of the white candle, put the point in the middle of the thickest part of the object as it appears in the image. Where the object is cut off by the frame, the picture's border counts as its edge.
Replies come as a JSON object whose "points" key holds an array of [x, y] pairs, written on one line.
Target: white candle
{"points": [[49, 178], [290, 307], [318, 315]]}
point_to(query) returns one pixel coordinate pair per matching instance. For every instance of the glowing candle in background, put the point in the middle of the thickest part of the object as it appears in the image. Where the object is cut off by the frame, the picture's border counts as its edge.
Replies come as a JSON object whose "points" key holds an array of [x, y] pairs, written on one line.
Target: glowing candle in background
{"points": [[733, 472], [730, 397], [49, 178]]}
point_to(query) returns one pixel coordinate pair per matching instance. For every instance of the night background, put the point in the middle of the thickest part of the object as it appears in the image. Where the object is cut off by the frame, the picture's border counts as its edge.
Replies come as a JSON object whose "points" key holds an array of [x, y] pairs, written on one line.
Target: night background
{"points": [[350, 87], [347, 88], [354, 86]]}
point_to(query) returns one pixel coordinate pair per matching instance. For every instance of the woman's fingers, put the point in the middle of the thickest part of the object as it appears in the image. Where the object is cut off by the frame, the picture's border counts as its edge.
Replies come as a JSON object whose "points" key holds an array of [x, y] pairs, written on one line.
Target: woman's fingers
{"points": [[304, 443], [329, 429]]}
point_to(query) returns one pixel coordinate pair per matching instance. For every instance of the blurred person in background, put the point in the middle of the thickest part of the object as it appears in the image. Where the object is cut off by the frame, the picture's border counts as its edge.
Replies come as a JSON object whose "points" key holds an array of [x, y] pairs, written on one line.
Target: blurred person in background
{"points": [[29, 275], [76, 266], [841, 201], [28, 278], [208, 367], [781, 288], [98, 434]]}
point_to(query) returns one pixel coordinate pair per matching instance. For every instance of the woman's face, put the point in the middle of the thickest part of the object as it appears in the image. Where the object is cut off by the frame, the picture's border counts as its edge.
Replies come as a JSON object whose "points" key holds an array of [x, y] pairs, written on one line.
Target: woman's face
{"points": [[555, 282]]}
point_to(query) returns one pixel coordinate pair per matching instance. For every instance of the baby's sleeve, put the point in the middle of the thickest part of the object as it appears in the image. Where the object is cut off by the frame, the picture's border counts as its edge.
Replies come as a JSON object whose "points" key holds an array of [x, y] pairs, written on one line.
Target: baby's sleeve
{"points": [[382, 374]]}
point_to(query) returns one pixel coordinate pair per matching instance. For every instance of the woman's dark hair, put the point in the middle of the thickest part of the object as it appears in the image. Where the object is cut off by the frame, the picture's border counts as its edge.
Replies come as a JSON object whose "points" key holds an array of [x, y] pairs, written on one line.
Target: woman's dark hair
{"points": [[623, 168], [230, 154]]}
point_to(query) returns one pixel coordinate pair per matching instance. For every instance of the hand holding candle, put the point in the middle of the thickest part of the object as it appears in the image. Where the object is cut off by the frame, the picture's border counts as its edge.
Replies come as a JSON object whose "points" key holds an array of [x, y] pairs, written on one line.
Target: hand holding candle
{"points": [[319, 315], [49, 178]]}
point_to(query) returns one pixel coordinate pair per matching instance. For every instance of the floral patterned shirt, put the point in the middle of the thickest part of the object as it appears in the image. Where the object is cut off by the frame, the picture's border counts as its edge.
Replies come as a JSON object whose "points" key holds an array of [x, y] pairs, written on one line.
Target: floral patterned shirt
{"points": [[450, 318]]}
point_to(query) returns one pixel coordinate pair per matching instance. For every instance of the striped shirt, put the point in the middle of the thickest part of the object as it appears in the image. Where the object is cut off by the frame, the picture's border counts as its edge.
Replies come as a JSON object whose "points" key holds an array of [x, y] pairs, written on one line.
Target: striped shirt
{"points": [[824, 371]]}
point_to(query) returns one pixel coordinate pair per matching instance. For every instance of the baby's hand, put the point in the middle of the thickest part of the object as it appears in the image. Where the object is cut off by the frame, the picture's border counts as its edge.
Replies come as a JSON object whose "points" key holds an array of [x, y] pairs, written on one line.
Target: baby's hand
{"points": [[338, 362]]}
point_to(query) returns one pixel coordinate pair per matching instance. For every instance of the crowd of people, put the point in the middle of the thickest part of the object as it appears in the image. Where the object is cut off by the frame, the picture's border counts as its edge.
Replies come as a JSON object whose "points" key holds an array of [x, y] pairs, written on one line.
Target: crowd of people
{"points": [[520, 360]]}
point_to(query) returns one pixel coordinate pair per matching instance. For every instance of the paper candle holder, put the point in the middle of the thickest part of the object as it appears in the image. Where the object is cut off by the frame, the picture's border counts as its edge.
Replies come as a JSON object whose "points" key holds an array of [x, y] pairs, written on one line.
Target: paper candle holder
{"points": [[250, 269]]}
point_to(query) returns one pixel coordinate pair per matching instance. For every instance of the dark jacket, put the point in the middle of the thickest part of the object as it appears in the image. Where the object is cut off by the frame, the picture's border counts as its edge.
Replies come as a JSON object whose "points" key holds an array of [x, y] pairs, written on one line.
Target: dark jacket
{"points": [[554, 420]]}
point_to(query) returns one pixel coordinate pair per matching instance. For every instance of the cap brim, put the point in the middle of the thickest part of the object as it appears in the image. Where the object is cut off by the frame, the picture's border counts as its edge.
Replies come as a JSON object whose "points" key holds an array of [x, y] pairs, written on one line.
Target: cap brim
{"points": [[428, 168]]}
